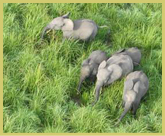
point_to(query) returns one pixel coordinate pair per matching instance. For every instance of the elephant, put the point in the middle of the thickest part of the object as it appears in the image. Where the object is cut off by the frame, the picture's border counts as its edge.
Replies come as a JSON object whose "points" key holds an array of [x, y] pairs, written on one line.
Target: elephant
{"points": [[111, 70], [133, 52], [135, 87], [82, 29], [90, 66]]}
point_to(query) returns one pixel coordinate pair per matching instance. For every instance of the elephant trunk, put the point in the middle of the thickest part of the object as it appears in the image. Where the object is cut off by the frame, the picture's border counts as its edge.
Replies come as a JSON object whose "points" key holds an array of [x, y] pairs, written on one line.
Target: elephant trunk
{"points": [[126, 109], [97, 92], [80, 83], [44, 31]]}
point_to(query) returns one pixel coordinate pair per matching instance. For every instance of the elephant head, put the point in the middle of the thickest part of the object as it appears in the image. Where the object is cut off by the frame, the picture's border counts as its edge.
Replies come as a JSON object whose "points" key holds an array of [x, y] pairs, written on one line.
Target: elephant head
{"points": [[105, 76], [89, 67], [60, 23]]}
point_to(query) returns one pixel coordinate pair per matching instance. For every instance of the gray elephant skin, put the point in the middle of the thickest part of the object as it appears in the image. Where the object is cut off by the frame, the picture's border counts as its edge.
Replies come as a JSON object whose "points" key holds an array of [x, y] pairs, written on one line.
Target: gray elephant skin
{"points": [[89, 67], [133, 52], [135, 87], [111, 70], [82, 29]]}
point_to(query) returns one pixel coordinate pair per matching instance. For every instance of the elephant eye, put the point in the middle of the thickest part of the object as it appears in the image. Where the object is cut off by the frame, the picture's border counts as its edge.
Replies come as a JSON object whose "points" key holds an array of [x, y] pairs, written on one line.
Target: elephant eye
{"points": [[62, 25]]}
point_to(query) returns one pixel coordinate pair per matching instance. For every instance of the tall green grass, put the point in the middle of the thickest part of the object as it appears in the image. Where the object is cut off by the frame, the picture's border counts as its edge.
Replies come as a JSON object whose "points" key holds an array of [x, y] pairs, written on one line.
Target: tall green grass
{"points": [[40, 80]]}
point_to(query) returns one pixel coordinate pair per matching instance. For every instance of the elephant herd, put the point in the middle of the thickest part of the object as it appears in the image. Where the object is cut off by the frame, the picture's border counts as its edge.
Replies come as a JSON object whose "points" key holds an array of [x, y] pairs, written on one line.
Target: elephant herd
{"points": [[105, 70]]}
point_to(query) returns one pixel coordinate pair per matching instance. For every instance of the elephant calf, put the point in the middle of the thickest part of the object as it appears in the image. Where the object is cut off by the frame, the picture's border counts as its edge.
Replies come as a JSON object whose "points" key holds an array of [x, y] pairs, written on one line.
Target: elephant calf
{"points": [[135, 87], [133, 52], [111, 70], [82, 29], [90, 66]]}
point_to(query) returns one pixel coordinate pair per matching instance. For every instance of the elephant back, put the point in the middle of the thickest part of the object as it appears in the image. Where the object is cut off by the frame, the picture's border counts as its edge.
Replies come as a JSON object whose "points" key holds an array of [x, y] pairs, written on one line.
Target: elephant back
{"points": [[85, 29], [139, 76], [98, 56], [124, 61]]}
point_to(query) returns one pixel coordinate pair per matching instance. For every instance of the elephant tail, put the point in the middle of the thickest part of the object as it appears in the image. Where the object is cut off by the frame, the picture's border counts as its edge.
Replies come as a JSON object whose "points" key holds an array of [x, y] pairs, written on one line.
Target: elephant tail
{"points": [[104, 26], [79, 86], [44, 31]]}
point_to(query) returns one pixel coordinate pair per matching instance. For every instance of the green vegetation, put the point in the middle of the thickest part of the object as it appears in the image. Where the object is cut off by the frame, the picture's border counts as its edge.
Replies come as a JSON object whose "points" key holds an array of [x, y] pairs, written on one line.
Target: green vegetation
{"points": [[40, 80]]}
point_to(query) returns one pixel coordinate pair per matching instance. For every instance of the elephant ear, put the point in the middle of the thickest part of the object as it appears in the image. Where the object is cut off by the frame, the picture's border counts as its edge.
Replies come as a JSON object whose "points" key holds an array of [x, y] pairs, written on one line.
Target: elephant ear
{"points": [[68, 25], [128, 85], [85, 62], [139, 86], [116, 72], [66, 15], [102, 64]]}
